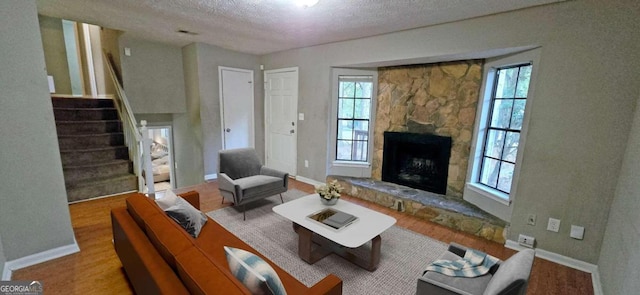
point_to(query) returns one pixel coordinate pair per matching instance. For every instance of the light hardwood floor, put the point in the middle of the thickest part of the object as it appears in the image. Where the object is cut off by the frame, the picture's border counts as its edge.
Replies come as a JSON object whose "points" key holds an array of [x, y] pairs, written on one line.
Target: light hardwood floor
{"points": [[97, 270]]}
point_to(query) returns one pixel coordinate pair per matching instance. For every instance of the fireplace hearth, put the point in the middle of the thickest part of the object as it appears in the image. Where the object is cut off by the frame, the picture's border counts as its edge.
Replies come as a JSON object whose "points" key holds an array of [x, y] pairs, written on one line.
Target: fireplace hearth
{"points": [[419, 161]]}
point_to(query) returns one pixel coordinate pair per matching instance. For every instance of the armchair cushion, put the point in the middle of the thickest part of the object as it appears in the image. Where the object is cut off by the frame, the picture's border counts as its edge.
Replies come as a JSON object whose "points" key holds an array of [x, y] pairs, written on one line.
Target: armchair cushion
{"points": [[257, 185], [239, 163]]}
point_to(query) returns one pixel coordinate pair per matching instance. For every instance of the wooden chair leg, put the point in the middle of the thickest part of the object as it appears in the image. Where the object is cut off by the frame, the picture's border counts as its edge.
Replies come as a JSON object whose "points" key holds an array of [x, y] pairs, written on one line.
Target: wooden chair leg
{"points": [[281, 198]]}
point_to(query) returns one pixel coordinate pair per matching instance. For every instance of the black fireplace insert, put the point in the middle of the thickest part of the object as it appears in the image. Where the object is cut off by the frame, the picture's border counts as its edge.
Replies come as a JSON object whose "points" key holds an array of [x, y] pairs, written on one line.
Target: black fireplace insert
{"points": [[419, 161]]}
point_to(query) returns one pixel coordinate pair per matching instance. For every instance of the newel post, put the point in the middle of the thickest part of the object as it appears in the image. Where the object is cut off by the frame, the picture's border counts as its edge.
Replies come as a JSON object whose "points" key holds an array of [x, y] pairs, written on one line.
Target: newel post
{"points": [[146, 157]]}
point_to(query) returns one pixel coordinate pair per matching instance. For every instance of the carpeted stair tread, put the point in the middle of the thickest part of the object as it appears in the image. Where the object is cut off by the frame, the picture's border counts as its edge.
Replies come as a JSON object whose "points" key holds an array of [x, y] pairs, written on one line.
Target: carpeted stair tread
{"points": [[85, 114], [60, 102], [100, 180], [96, 164], [69, 141], [87, 127], [77, 177], [86, 150], [95, 155], [101, 187]]}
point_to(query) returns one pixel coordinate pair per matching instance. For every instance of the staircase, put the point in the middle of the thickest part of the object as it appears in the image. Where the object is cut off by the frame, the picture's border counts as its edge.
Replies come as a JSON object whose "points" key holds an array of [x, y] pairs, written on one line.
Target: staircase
{"points": [[94, 157]]}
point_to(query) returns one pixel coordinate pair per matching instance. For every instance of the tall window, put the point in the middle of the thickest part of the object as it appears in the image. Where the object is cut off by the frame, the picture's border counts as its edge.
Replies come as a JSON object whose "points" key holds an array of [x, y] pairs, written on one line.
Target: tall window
{"points": [[508, 101], [354, 111]]}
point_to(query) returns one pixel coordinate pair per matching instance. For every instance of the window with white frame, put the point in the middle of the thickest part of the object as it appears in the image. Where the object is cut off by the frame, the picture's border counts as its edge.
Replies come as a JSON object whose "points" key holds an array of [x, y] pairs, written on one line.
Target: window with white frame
{"points": [[355, 94], [504, 125]]}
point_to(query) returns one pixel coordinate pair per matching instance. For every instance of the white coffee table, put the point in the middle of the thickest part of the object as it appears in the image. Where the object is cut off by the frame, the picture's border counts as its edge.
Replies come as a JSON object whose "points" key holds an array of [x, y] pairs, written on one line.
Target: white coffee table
{"points": [[368, 227]]}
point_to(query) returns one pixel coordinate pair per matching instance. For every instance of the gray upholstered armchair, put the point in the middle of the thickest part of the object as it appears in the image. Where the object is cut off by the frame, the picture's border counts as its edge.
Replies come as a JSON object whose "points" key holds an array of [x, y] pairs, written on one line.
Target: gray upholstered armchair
{"points": [[509, 277], [243, 179]]}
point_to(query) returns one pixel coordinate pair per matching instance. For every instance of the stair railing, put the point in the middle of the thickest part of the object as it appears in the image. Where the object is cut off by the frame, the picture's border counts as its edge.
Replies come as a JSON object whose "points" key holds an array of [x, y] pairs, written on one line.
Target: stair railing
{"points": [[136, 139]]}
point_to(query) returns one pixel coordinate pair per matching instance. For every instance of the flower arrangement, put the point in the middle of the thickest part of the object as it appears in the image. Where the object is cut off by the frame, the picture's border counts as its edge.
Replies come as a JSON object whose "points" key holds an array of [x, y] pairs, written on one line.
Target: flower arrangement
{"points": [[329, 191]]}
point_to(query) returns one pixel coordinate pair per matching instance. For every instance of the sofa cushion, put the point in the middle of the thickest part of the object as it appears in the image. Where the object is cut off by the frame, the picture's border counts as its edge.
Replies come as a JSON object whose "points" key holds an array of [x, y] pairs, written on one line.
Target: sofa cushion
{"points": [[214, 237], [188, 217], [201, 275], [513, 274], [253, 272], [141, 207], [167, 237], [256, 185]]}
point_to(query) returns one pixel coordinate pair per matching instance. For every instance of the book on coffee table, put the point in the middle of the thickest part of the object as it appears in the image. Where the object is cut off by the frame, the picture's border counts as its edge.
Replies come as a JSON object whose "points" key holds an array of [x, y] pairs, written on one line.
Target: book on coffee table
{"points": [[333, 218]]}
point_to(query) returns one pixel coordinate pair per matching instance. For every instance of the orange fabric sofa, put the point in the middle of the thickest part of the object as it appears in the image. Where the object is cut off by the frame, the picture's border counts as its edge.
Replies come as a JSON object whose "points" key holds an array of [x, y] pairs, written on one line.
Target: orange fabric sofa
{"points": [[159, 257]]}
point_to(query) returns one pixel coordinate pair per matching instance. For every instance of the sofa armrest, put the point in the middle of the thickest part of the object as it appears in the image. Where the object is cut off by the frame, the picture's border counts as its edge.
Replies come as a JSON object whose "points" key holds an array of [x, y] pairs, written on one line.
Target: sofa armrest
{"points": [[457, 249], [192, 197], [330, 285]]}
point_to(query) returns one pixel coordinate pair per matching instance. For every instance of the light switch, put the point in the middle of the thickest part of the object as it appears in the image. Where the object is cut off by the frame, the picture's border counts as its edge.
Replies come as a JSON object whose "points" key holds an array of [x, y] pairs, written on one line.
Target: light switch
{"points": [[577, 232], [127, 51], [301, 116]]}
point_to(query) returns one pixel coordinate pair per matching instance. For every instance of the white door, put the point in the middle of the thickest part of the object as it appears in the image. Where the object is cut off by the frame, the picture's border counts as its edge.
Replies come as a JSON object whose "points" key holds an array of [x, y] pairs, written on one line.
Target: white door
{"points": [[236, 103], [281, 124]]}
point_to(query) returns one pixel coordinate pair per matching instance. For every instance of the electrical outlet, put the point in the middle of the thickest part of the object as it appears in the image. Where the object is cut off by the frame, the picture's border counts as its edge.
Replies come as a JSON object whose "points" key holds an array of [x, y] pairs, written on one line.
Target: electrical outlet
{"points": [[531, 219], [553, 225], [526, 241], [306, 163]]}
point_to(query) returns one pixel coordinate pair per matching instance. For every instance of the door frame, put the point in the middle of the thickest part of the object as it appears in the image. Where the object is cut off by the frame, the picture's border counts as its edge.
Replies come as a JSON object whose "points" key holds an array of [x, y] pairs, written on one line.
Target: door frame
{"points": [[172, 166], [294, 172], [252, 138]]}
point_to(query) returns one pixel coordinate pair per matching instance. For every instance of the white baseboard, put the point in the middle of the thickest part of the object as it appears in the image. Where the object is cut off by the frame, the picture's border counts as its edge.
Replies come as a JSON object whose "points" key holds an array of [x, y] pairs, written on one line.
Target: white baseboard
{"points": [[37, 258], [211, 176], [308, 180], [566, 261]]}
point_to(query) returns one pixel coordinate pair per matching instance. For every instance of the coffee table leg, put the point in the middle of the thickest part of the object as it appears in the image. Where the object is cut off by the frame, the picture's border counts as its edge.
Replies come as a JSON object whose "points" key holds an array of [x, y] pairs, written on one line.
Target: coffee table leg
{"points": [[305, 246], [375, 253]]}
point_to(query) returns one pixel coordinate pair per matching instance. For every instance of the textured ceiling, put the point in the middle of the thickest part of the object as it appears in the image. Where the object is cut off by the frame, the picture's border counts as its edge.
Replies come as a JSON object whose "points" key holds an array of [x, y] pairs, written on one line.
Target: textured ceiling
{"points": [[265, 26]]}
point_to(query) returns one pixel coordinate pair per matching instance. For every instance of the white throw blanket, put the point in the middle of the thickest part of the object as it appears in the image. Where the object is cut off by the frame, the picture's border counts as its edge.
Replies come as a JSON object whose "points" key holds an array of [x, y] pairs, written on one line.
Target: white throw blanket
{"points": [[474, 264]]}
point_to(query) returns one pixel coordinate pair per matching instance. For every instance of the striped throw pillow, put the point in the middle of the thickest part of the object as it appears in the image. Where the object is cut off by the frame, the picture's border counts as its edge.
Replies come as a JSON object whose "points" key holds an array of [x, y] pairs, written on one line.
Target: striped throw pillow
{"points": [[254, 273]]}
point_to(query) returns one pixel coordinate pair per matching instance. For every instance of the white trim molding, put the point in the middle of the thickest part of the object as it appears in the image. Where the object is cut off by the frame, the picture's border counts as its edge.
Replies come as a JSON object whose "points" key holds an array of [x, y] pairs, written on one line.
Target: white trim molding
{"points": [[37, 258], [308, 180], [566, 261], [211, 176]]}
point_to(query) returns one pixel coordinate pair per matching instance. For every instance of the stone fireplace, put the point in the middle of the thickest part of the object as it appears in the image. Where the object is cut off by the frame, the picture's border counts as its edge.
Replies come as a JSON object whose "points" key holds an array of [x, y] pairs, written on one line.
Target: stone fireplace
{"points": [[438, 99], [415, 160], [423, 129]]}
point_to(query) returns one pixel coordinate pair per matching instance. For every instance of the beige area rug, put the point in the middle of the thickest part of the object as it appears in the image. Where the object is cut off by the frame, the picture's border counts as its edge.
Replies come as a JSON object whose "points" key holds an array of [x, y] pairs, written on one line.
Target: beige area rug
{"points": [[404, 255]]}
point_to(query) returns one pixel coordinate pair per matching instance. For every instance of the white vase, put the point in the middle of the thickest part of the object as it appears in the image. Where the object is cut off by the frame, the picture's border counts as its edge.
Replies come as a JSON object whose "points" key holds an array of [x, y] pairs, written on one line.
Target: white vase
{"points": [[329, 202]]}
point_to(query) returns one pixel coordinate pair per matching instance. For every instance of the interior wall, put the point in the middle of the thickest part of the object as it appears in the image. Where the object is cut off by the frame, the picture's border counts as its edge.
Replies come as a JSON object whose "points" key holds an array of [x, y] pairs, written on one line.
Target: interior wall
{"points": [[209, 59], [153, 76], [55, 52], [187, 126], [619, 258], [34, 212], [572, 158], [109, 42]]}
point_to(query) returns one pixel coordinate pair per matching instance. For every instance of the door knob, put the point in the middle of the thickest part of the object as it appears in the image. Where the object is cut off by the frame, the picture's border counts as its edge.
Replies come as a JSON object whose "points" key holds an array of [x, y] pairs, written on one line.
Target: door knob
{"points": [[292, 131], [228, 130]]}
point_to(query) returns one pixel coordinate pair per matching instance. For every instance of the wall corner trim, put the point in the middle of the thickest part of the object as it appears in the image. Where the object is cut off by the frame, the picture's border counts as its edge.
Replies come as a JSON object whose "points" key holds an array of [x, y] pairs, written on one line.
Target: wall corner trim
{"points": [[37, 258], [211, 176], [566, 261], [308, 180]]}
